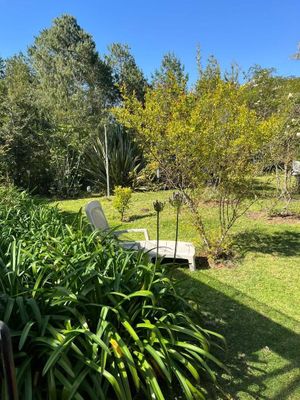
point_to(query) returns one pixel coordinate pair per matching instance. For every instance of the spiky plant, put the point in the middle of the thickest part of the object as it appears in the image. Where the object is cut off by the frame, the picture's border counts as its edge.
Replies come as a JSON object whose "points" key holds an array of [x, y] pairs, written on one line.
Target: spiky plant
{"points": [[90, 320], [124, 157]]}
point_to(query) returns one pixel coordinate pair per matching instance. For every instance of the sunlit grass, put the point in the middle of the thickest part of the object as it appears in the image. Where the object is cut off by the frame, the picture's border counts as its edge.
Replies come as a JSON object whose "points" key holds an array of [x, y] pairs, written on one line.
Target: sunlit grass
{"points": [[255, 304]]}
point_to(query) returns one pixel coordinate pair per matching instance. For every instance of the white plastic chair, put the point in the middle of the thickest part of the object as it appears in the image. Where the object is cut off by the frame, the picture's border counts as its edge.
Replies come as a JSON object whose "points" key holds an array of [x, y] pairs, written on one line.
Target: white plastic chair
{"points": [[185, 250]]}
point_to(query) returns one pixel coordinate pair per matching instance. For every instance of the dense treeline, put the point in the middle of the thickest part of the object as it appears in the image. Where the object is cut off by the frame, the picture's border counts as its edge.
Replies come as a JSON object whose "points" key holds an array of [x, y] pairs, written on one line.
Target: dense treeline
{"points": [[54, 103], [56, 99]]}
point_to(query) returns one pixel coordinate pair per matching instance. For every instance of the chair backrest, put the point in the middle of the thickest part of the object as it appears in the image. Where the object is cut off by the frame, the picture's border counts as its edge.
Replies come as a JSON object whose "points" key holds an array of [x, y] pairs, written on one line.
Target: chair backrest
{"points": [[96, 215]]}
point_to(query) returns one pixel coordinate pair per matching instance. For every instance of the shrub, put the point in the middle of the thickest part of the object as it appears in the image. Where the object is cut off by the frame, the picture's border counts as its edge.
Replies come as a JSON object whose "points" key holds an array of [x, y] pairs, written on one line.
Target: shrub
{"points": [[90, 320], [208, 136], [122, 199], [124, 156]]}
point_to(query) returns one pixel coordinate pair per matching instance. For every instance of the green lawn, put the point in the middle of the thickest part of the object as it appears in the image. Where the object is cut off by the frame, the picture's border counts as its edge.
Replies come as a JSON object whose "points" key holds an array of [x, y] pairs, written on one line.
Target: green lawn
{"points": [[255, 304]]}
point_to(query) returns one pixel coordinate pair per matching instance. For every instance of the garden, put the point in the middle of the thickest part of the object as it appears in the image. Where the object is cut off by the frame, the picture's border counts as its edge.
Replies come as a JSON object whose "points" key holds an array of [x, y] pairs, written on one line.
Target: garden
{"points": [[215, 164], [253, 300]]}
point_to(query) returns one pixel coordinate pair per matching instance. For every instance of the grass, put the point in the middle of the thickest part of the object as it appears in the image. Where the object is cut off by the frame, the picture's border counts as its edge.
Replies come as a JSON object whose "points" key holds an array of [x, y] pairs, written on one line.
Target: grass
{"points": [[255, 304]]}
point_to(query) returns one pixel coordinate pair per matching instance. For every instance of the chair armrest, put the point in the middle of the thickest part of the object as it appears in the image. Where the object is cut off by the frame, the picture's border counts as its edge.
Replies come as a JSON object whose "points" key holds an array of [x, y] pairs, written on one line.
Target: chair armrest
{"points": [[143, 230]]}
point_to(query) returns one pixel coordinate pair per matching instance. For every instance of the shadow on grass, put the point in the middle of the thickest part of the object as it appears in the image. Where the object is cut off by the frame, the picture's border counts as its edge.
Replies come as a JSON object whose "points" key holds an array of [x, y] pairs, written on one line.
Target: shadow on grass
{"points": [[70, 217], [252, 340], [265, 186], [136, 217], [284, 243]]}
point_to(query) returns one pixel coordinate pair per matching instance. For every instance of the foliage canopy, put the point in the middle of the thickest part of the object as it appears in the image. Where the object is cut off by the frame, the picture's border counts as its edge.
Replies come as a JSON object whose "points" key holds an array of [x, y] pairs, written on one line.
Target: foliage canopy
{"points": [[199, 139]]}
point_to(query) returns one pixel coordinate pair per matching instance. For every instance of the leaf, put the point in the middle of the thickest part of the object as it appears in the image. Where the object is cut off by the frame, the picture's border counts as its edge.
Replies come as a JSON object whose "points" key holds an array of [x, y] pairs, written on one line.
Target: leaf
{"points": [[132, 333], [184, 385], [28, 385], [115, 384], [142, 293], [129, 359], [60, 348], [189, 346], [77, 383], [24, 334], [66, 384], [186, 364], [8, 309], [65, 363], [22, 311], [157, 356], [36, 311], [52, 391], [147, 370]]}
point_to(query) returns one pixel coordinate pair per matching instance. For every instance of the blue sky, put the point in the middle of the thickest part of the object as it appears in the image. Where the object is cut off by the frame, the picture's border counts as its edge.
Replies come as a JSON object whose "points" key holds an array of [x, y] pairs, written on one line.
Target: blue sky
{"points": [[248, 32]]}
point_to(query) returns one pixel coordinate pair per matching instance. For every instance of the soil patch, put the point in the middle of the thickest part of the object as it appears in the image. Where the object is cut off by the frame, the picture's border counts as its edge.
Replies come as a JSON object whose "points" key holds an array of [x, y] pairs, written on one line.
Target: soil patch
{"points": [[283, 219], [256, 215], [276, 219]]}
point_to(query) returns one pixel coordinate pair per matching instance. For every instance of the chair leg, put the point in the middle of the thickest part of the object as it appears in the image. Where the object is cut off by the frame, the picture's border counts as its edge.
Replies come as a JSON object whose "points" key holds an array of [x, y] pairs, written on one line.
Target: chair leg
{"points": [[192, 265]]}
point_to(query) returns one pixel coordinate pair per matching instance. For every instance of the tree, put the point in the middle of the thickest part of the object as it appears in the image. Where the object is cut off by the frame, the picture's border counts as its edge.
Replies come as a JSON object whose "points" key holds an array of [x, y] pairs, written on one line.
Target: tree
{"points": [[296, 56], [171, 69], [74, 87], [128, 77], [270, 95], [208, 77], [72, 81], [263, 91], [284, 147], [3, 95], [200, 140], [2, 68], [22, 128]]}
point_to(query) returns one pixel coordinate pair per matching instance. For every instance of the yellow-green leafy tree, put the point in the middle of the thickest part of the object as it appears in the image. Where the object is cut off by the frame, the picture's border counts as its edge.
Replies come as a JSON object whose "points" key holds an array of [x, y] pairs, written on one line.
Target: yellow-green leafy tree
{"points": [[269, 95], [284, 147], [206, 136]]}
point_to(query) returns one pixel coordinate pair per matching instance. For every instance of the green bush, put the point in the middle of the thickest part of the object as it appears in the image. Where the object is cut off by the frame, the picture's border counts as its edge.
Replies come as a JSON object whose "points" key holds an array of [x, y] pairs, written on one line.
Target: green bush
{"points": [[90, 320], [122, 199]]}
